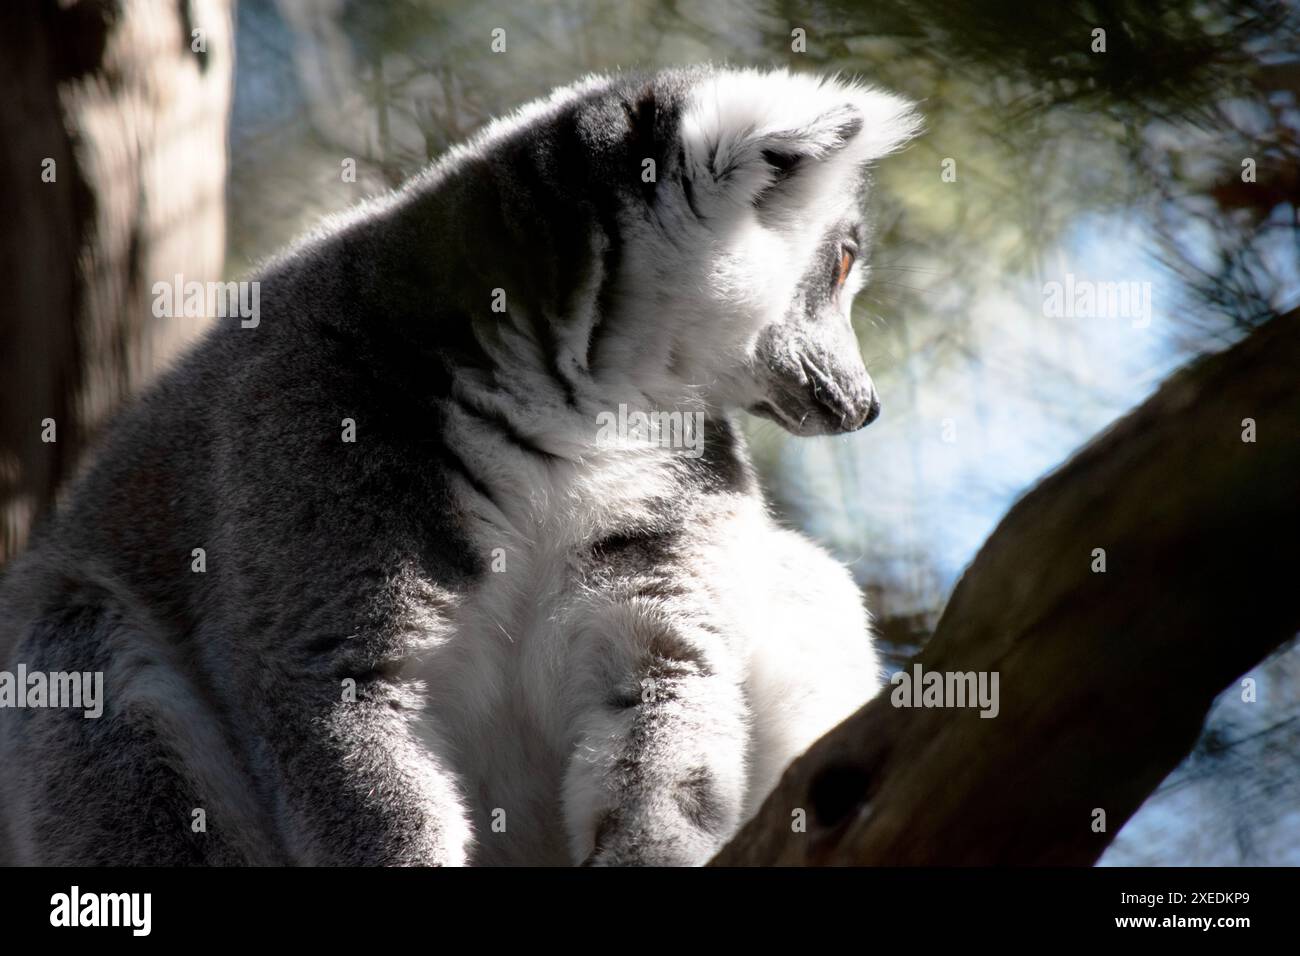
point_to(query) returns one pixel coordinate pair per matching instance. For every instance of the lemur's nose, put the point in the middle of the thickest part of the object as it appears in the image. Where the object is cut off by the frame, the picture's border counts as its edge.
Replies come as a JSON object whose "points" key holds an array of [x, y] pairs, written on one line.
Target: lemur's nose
{"points": [[863, 415], [872, 412], [863, 410]]}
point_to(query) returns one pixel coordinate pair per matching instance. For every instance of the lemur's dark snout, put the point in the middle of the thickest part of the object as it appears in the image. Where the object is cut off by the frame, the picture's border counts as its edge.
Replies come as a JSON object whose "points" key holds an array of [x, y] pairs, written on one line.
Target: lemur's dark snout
{"points": [[815, 384], [847, 401]]}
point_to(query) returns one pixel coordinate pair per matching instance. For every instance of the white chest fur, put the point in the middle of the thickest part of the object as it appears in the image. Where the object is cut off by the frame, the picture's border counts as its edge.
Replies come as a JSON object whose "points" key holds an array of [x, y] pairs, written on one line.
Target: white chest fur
{"points": [[503, 687]]}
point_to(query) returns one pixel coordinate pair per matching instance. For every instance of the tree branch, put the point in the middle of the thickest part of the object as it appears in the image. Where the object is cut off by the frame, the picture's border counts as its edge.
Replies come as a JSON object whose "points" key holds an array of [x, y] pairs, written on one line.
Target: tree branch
{"points": [[1105, 678]]}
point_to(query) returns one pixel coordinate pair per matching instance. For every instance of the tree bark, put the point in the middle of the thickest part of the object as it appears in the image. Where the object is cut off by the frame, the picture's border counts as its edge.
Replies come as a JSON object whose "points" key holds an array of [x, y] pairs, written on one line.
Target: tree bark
{"points": [[1105, 678], [133, 119]]}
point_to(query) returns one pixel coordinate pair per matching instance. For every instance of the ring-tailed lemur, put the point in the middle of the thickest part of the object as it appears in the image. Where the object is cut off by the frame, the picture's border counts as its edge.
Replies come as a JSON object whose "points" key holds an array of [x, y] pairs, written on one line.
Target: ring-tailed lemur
{"points": [[457, 601]]}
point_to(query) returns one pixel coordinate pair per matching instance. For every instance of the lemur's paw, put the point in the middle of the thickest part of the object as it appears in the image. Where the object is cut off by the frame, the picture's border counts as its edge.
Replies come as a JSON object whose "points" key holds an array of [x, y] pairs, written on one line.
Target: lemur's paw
{"points": [[660, 842]]}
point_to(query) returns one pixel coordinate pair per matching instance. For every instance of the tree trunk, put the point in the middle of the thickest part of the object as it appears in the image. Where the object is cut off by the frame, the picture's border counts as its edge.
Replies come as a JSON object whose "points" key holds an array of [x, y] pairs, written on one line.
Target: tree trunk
{"points": [[1105, 678], [113, 159]]}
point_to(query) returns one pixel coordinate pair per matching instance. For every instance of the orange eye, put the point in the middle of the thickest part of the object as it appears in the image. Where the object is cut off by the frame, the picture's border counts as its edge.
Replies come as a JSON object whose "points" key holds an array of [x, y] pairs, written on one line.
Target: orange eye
{"points": [[846, 265]]}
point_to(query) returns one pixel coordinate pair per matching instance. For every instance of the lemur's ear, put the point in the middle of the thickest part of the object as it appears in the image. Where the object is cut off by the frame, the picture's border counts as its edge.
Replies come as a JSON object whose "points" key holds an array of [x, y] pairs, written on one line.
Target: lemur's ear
{"points": [[751, 138]]}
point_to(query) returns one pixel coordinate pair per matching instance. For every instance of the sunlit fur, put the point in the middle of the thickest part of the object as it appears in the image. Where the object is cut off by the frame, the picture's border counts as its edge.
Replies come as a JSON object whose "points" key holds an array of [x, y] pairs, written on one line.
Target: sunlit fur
{"points": [[564, 650]]}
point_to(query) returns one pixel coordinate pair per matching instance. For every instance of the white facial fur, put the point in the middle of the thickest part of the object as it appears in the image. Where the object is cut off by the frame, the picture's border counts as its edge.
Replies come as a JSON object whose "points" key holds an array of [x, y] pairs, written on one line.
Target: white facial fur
{"points": [[732, 244]]}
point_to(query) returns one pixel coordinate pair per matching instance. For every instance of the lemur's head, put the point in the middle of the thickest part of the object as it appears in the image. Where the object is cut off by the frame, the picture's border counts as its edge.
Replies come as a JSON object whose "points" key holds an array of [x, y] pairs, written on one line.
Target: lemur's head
{"points": [[750, 247], [774, 173], [723, 235]]}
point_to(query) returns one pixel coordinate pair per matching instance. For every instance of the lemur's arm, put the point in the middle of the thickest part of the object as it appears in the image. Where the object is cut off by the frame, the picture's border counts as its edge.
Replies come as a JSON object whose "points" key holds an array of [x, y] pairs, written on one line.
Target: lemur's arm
{"points": [[657, 775], [353, 786]]}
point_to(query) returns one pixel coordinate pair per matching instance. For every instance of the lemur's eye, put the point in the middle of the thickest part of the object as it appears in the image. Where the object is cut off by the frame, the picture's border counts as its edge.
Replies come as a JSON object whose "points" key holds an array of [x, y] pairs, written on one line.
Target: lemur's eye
{"points": [[847, 257]]}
